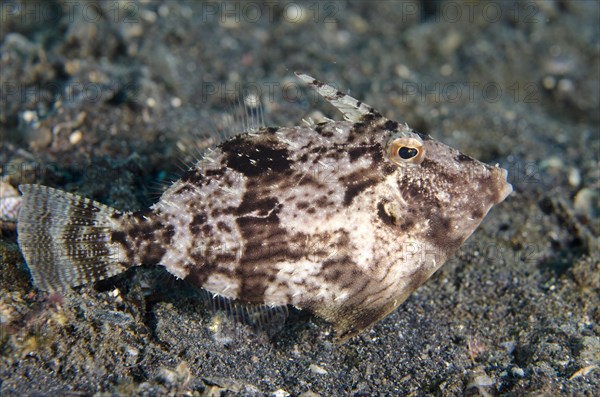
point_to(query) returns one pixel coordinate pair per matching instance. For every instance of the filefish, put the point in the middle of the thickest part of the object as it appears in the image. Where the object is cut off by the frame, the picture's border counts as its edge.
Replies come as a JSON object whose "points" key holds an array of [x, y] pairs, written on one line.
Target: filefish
{"points": [[344, 219]]}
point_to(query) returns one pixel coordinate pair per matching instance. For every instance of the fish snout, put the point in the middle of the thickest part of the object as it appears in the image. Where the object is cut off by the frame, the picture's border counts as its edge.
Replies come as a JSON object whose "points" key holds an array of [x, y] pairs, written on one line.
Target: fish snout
{"points": [[504, 188]]}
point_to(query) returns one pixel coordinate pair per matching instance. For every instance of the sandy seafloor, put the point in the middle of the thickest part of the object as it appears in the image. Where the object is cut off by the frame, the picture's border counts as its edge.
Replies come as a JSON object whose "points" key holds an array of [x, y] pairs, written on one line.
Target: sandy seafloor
{"points": [[100, 98]]}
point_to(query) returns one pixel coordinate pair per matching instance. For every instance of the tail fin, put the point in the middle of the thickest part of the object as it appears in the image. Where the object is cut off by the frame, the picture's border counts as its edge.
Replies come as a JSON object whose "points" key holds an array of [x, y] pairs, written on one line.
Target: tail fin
{"points": [[66, 239]]}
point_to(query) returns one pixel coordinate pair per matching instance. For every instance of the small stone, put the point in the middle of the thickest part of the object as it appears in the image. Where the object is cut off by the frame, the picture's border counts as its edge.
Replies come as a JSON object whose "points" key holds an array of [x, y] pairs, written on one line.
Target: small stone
{"points": [[516, 371], [446, 70], [402, 71], [163, 10], [309, 394], [295, 13], [587, 203], [29, 116], [149, 16], [176, 102], [75, 137], [549, 82], [132, 351], [565, 86], [315, 369], [280, 393], [480, 379], [574, 177], [179, 376], [552, 162]]}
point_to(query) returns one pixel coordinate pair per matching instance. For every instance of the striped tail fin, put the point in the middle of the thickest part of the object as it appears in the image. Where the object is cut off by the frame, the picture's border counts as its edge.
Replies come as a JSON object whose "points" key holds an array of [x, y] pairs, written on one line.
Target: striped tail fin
{"points": [[66, 239]]}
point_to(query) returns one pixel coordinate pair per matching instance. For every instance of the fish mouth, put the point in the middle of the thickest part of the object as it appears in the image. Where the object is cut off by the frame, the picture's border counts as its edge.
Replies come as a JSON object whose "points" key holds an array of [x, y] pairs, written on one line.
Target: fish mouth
{"points": [[504, 188]]}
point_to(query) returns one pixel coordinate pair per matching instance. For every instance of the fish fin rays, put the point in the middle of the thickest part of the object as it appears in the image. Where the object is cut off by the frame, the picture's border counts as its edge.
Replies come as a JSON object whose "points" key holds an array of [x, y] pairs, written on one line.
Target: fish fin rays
{"points": [[66, 239], [244, 114], [353, 319], [258, 316], [352, 109]]}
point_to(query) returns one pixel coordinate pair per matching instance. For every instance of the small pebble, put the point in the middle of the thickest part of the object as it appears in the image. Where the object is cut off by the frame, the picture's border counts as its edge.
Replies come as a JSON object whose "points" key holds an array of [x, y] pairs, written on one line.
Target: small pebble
{"points": [[516, 371], [574, 177], [549, 82], [295, 13], [402, 71], [29, 116], [315, 369], [565, 86], [446, 70], [75, 137], [587, 203], [509, 346], [175, 102], [480, 379], [552, 162]]}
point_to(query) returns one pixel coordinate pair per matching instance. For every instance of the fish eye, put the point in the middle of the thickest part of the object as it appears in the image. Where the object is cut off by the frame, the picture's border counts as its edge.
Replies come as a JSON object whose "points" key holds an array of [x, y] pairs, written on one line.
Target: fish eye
{"points": [[406, 150]]}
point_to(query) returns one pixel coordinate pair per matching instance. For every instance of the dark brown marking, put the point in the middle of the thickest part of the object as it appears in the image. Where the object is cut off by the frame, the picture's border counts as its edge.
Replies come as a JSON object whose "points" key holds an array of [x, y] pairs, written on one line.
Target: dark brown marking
{"points": [[406, 224], [197, 221], [168, 233], [345, 273], [464, 158], [152, 254], [391, 125], [251, 203], [440, 230], [254, 159], [141, 231], [223, 227], [323, 202], [193, 176], [359, 127], [302, 205], [357, 187], [477, 213], [118, 237], [215, 172], [253, 287], [116, 215], [321, 130], [188, 187], [200, 270], [357, 152], [260, 229], [371, 116]]}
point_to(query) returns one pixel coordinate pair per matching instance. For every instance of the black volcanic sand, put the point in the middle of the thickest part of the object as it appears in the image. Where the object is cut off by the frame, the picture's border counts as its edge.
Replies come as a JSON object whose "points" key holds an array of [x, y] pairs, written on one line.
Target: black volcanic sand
{"points": [[106, 99]]}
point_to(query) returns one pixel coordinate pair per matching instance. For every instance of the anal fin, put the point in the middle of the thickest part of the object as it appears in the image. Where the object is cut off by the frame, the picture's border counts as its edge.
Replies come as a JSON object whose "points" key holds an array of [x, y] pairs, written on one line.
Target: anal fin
{"points": [[260, 317]]}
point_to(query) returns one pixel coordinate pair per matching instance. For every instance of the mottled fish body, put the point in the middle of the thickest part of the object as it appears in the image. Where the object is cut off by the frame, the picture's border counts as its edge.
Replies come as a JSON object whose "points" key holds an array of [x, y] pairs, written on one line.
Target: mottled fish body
{"points": [[343, 218]]}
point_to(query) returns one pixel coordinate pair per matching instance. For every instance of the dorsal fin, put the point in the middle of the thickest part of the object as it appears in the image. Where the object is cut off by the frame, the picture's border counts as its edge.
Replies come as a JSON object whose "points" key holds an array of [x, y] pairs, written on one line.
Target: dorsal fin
{"points": [[352, 109], [247, 116]]}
